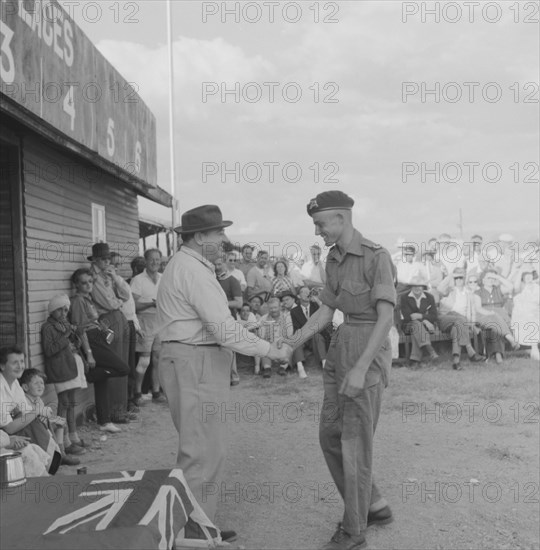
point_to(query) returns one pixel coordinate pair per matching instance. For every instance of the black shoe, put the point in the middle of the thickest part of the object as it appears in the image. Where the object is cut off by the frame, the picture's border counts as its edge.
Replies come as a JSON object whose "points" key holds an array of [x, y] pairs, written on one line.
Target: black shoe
{"points": [[267, 373], [282, 371], [228, 536], [455, 362], [476, 358], [380, 517]]}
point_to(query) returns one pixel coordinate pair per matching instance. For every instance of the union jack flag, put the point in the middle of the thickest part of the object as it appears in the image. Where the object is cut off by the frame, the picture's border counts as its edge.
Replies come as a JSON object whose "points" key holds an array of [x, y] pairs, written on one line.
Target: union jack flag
{"points": [[158, 499]]}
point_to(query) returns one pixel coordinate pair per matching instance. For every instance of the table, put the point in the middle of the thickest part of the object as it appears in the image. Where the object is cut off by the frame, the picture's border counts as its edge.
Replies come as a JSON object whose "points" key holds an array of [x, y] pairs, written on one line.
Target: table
{"points": [[138, 510]]}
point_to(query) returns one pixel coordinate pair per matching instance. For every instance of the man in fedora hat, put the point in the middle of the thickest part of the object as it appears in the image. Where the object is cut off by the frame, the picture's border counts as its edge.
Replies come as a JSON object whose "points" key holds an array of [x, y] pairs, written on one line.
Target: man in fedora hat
{"points": [[199, 336], [109, 293], [360, 283], [419, 313]]}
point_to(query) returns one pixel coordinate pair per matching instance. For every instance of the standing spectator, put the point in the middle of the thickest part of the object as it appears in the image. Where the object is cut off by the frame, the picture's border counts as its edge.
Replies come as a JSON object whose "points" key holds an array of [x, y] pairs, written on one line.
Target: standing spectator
{"points": [[232, 263], [526, 312], [313, 270], [102, 361], [109, 292], [258, 281], [507, 254], [137, 266], [231, 286], [247, 261], [144, 288], [273, 326], [457, 316], [281, 282], [64, 366], [130, 313], [435, 272], [475, 262], [419, 313]]}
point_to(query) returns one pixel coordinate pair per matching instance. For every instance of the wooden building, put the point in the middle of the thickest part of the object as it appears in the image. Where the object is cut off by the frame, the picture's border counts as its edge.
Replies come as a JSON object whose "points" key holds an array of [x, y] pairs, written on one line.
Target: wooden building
{"points": [[77, 146]]}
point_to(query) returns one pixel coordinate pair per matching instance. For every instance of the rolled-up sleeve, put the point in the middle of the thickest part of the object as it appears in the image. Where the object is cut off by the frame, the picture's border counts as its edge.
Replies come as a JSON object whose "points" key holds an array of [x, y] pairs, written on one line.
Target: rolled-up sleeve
{"points": [[383, 282]]}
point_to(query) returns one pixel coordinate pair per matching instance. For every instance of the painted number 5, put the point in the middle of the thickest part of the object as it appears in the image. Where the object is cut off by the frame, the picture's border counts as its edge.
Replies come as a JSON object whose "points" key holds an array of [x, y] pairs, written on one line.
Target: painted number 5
{"points": [[7, 62], [110, 137]]}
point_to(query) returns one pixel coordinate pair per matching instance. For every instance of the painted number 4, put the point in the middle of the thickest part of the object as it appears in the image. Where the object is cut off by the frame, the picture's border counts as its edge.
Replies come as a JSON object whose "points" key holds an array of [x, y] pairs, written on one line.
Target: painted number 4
{"points": [[69, 106]]}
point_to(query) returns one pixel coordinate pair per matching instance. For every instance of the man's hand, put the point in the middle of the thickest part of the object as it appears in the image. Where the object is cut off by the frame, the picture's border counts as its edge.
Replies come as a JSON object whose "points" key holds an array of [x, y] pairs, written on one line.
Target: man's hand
{"points": [[429, 326], [18, 442], [354, 380], [416, 316]]}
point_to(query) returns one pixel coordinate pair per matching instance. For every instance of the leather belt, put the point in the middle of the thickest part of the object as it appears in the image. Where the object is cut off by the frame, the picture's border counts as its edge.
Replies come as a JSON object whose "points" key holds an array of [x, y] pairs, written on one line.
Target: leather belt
{"points": [[351, 319], [212, 345]]}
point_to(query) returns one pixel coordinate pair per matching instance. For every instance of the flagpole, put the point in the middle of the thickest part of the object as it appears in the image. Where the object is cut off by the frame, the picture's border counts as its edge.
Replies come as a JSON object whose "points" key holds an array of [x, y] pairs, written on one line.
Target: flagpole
{"points": [[171, 115]]}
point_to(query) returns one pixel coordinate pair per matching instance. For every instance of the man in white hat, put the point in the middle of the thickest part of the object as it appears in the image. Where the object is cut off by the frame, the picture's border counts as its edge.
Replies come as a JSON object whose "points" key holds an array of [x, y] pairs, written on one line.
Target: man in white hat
{"points": [[419, 318]]}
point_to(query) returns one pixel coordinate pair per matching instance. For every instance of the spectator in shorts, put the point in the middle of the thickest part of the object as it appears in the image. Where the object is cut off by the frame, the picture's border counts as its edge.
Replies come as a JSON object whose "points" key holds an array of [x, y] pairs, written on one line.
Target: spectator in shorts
{"points": [[64, 366], [144, 288]]}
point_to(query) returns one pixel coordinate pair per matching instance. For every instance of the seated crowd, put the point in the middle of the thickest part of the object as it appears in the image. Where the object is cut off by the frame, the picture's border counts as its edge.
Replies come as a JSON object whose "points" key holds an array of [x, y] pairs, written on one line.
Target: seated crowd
{"points": [[466, 289]]}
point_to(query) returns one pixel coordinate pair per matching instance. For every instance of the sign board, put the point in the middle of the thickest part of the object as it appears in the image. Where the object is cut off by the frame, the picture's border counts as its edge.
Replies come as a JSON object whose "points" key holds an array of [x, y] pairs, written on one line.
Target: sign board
{"points": [[50, 67]]}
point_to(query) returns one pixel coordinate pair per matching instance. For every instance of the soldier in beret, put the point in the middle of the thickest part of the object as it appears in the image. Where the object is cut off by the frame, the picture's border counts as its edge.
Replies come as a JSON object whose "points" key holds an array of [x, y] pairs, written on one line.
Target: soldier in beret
{"points": [[360, 283]]}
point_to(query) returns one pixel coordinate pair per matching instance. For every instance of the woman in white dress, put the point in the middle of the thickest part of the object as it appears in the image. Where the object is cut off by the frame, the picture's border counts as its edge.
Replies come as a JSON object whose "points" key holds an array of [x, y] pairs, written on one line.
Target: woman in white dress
{"points": [[526, 312]]}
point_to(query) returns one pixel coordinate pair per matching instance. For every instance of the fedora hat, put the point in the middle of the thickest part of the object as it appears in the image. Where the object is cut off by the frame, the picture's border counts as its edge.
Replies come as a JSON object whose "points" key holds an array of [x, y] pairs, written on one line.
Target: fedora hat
{"points": [[100, 250], [418, 280], [202, 218]]}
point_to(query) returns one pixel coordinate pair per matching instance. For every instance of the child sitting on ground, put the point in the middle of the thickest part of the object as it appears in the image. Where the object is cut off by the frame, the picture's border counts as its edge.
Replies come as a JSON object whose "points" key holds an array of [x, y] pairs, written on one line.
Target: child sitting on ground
{"points": [[33, 383]]}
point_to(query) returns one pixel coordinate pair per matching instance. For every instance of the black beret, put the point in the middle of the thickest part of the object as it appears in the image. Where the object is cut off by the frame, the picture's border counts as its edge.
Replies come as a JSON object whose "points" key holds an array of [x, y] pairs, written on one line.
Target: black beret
{"points": [[330, 200]]}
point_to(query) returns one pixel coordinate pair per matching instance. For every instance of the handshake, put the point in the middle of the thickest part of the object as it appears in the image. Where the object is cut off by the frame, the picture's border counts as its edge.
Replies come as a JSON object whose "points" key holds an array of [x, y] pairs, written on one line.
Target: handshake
{"points": [[280, 351]]}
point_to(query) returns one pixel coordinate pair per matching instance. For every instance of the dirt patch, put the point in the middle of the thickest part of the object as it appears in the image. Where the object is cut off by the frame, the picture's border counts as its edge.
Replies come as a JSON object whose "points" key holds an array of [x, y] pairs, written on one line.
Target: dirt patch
{"points": [[456, 455]]}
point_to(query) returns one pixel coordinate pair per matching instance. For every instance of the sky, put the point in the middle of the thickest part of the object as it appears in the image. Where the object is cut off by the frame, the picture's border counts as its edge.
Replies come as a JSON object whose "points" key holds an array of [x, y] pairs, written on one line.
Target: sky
{"points": [[415, 118]]}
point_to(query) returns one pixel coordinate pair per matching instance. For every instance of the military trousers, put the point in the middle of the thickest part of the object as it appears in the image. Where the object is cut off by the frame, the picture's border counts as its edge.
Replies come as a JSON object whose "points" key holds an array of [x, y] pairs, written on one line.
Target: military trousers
{"points": [[196, 381], [347, 425]]}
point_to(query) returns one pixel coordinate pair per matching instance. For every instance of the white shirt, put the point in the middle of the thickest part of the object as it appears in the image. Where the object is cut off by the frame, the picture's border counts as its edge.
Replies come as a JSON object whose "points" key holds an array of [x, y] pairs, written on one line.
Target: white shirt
{"points": [[406, 271], [144, 287], [10, 398], [312, 271], [237, 274], [193, 308]]}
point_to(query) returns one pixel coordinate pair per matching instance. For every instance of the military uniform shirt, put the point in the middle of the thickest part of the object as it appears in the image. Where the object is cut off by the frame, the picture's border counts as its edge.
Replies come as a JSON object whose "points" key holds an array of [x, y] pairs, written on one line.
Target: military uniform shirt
{"points": [[357, 279]]}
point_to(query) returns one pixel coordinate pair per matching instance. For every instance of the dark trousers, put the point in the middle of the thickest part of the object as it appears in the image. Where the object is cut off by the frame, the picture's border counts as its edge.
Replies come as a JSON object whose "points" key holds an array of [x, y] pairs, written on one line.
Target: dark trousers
{"points": [[132, 359], [108, 365]]}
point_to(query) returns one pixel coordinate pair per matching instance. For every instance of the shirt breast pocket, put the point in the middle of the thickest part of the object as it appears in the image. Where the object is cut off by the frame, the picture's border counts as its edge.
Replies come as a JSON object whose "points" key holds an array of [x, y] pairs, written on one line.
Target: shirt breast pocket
{"points": [[354, 297]]}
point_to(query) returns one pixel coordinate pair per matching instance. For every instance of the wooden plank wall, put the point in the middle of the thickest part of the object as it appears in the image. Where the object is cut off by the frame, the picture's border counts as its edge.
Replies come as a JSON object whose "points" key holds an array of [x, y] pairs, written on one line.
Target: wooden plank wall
{"points": [[58, 192]]}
